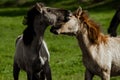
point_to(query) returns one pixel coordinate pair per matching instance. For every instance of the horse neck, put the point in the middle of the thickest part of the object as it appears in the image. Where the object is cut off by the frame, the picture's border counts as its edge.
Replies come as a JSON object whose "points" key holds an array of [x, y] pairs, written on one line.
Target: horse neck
{"points": [[35, 44], [83, 39], [40, 30], [85, 43], [38, 39]]}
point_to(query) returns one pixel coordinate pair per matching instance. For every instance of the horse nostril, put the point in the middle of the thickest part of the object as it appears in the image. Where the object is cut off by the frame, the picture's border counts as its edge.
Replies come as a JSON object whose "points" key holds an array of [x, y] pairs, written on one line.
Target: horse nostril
{"points": [[53, 31]]}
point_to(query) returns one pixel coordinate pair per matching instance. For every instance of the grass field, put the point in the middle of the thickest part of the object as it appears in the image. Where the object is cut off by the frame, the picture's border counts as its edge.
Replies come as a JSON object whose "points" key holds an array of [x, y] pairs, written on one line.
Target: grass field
{"points": [[66, 59]]}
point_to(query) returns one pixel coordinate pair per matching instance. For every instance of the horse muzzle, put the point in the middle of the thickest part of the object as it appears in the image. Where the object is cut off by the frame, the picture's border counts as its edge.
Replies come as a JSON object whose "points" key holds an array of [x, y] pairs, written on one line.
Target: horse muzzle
{"points": [[54, 30]]}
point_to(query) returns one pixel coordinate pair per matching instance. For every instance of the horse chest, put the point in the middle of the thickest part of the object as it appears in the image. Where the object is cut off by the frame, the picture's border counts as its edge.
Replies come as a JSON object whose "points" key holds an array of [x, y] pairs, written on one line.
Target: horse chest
{"points": [[32, 63], [36, 65], [91, 65]]}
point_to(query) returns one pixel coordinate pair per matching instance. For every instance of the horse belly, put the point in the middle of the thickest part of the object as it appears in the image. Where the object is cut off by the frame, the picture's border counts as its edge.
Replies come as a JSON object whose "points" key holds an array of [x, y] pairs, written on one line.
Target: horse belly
{"points": [[115, 70]]}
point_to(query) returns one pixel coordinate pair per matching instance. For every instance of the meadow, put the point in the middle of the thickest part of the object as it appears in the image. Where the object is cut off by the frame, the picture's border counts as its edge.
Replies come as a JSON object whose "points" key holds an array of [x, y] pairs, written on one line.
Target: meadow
{"points": [[66, 57]]}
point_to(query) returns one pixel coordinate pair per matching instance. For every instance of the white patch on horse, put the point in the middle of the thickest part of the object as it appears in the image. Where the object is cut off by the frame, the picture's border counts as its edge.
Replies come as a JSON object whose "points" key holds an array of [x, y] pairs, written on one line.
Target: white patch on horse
{"points": [[43, 60], [45, 45]]}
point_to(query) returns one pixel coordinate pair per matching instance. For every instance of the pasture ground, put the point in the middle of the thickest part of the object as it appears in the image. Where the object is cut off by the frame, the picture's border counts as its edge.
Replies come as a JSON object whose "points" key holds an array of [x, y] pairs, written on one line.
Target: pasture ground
{"points": [[66, 57]]}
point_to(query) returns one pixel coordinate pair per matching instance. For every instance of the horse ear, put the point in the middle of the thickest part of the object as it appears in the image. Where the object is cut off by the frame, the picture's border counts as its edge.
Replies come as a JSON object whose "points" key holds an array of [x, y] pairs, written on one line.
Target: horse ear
{"points": [[78, 12], [39, 6]]}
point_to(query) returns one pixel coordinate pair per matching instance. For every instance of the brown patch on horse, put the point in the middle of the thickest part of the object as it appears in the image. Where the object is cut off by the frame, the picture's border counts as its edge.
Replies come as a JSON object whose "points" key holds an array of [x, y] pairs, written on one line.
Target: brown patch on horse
{"points": [[94, 34]]}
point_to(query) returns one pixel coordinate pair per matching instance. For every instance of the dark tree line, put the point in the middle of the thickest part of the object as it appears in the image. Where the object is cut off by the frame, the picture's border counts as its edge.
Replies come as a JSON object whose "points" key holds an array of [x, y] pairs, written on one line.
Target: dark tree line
{"points": [[95, 1], [23, 1]]}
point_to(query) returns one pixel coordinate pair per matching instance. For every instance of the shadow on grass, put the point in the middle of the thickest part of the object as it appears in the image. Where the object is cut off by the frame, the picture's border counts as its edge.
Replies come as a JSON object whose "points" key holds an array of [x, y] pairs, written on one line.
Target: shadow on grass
{"points": [[13, 12]]}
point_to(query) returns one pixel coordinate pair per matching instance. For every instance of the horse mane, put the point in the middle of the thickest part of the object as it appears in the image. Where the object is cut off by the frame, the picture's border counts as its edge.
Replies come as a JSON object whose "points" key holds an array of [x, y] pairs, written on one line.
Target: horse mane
{"points": [[29, 33], [94, 33]]}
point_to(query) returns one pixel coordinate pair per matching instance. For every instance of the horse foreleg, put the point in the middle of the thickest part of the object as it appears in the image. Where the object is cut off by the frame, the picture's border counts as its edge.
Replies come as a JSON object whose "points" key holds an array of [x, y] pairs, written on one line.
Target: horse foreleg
{"points": [[47, 71], [29, 76], [16, 71], [35, 77], [106, 75], [88, 75], [42, 75]]}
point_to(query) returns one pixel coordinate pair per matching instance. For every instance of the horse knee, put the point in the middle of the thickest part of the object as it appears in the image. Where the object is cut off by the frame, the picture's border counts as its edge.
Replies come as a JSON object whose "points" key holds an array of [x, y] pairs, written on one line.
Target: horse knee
{"points": [[106, 75]]}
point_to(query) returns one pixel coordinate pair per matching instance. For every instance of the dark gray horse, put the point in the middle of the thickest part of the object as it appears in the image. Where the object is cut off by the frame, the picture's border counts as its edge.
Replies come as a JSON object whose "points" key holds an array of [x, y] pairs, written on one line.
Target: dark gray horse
{"points": [[114, 24], [31, 51]]}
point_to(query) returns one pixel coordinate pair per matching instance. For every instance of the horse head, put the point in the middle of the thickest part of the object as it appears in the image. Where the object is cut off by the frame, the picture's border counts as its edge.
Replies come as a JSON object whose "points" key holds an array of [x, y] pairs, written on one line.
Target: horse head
{"points": [[70, 26], [47, 15], [38, 18]]}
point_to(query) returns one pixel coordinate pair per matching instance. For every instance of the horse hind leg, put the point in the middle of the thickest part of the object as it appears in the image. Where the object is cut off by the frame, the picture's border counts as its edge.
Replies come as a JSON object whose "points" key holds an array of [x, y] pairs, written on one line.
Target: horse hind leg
{"points": [[112, 30], [16, 71]]}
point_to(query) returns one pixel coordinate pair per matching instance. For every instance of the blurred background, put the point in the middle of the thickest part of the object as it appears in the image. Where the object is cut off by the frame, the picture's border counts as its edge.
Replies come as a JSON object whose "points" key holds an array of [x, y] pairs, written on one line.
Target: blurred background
{"points": [[66, 58], [60, 3]]}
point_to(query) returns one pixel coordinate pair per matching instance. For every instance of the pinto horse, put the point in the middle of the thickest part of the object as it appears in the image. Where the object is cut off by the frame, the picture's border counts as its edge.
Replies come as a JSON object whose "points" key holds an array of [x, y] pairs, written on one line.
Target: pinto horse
{"points": [[32, 54], [100, 53]]}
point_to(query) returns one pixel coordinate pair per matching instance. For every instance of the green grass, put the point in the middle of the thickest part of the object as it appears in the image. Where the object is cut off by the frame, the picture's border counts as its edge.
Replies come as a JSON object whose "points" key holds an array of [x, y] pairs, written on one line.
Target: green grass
{"points": [[66, 60]]}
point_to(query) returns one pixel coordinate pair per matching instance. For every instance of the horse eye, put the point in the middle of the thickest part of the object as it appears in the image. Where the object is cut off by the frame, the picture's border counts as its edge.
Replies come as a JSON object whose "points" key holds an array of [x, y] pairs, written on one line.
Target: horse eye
{"points": [[68, 18]]}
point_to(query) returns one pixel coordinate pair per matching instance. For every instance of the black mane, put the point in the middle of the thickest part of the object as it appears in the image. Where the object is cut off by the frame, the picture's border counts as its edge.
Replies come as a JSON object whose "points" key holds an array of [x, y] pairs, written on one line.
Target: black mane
{"points": [[29, 32]]}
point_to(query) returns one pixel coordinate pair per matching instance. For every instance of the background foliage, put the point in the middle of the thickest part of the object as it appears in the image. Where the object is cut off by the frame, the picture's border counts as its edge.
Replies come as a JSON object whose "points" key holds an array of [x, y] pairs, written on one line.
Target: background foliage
{"points": [[66, 57]]}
